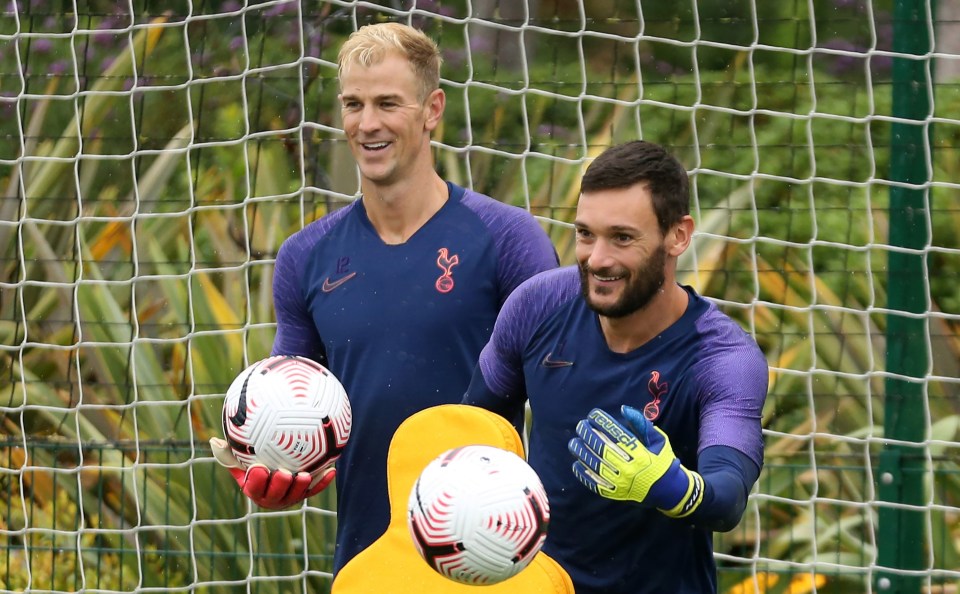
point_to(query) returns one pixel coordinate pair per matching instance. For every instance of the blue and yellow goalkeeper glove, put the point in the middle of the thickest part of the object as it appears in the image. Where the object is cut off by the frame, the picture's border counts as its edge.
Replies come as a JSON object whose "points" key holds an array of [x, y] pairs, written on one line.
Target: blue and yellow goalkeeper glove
{"points": [[633, 463]]}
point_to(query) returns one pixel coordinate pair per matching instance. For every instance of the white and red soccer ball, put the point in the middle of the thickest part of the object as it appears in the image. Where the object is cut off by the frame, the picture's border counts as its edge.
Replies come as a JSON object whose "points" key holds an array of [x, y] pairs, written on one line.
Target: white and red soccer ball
{"points": [[478, 514], [287, 412]]}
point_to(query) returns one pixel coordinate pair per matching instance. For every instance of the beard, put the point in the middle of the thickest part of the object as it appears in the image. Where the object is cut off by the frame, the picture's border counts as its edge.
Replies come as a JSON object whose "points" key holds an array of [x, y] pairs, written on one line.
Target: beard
{"points": [[642, 285]]}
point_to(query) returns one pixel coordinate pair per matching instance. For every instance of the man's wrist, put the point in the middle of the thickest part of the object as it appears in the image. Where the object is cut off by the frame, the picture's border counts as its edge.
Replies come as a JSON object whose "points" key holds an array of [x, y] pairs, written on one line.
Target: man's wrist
{"points": [[691, 500]]}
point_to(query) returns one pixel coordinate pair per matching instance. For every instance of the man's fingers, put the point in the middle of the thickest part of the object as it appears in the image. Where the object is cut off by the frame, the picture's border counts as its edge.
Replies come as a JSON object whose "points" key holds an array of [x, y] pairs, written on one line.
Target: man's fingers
{"points": [[223, 454], [322, 481], [584, 453], [255, 482], [277, 489], [277, 486], [296, 490]]}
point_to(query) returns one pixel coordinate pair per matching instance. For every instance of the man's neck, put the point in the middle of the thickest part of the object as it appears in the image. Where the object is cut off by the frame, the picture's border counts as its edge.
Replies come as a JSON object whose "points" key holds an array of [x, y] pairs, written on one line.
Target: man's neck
{"points": [[637, 329], [398, 211]]}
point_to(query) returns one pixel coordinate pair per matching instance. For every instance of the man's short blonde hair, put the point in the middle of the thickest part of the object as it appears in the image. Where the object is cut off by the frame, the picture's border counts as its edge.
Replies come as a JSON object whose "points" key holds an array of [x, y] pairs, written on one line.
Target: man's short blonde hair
{"points": [[370, 44]]}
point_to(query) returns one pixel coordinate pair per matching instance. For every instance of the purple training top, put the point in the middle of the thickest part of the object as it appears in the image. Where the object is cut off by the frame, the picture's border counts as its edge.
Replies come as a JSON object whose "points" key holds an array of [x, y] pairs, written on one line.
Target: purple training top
{"points": [[703, 381], [401, 326]]}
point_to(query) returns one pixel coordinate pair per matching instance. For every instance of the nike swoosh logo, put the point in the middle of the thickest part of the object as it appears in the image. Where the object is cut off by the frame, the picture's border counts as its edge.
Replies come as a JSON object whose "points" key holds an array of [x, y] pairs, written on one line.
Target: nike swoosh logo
{"points": [[552, 363], [329, 286]]}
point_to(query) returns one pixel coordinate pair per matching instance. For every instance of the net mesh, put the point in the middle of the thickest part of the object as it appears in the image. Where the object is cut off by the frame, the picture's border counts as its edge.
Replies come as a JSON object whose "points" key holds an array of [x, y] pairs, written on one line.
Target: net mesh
{"points": [[156, 154]]}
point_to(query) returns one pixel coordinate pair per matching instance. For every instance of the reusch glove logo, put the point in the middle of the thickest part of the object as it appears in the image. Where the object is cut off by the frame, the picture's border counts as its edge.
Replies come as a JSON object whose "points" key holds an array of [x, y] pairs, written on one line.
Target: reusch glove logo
{"points": [[613, 430]]}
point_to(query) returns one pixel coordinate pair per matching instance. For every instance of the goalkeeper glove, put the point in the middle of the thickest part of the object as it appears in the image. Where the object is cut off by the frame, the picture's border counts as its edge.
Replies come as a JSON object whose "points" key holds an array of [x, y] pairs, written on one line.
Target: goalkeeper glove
{"points": [[633, 463], [275, 489]]}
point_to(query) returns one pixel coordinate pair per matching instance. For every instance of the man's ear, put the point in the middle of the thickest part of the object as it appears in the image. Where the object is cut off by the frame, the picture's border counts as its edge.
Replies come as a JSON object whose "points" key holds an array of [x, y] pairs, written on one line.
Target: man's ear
{"points": [[434, 107], [679, 237]]}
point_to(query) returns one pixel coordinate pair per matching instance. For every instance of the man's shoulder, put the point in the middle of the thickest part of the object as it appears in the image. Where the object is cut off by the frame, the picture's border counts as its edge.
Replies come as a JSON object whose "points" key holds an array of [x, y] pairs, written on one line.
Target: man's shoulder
{"points": [[490, 208], [562, 279], [723, 341], [312, 232], [536, 305], [547, 290]]}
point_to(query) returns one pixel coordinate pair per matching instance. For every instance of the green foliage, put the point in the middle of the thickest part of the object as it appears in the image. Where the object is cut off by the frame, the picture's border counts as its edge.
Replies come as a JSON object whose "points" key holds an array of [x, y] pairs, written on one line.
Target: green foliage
{"points": [[142, 260]]}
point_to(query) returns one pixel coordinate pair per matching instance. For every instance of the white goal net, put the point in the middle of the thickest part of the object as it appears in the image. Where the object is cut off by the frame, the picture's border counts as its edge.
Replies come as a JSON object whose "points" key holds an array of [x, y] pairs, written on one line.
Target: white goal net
{"points": [[154, 155]]}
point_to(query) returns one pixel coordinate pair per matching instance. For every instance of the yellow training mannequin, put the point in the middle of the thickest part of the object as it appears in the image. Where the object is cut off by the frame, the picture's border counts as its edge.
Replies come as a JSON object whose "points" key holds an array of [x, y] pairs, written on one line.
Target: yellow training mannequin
{"points": [[391, 565]]}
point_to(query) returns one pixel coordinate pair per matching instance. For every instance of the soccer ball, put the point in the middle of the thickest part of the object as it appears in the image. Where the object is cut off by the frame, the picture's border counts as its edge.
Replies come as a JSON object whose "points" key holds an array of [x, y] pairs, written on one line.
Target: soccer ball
{"points": [[288, 413], [478, 514]]}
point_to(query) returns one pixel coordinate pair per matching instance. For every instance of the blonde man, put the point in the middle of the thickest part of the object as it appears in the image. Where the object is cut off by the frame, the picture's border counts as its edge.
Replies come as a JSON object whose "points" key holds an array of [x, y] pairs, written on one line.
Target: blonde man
{"points": [[396, 293]]}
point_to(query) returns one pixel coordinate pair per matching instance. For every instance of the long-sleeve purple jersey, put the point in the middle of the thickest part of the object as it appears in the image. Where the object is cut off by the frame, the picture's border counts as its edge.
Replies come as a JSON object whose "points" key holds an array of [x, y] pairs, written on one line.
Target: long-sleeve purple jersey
{"points": [[401, 326], [703, 381]]}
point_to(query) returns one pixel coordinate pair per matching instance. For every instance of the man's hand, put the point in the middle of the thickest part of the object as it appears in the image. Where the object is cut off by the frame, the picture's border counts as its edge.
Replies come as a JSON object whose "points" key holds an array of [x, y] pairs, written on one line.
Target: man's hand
{"points": [[633, 463], [272, 489]]}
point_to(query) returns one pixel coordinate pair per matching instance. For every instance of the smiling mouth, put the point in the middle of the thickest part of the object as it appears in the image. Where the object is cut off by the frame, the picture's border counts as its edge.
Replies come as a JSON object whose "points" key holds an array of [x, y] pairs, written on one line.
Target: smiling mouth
{"points": [[374, 146], [606, 279]]}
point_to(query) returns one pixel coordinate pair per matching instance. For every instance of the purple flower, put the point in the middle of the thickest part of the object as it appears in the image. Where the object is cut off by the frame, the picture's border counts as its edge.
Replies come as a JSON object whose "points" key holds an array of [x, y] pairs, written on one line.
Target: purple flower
{"points": [[455, 57], [419, 21], [840, 64], [58, 67], [42, 45], [554, 132], [236, 43], [885, 35], [104, 38], [481, 45], [280, 9], [880, 64], [663, 67], [197, 58], [230, 6], [844, 4]]}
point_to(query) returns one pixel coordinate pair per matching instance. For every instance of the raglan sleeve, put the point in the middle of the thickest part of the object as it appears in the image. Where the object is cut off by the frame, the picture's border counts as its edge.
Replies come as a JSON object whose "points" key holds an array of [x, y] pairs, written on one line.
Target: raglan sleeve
{"points": [[524, 250], [733, 388], [296, 332], [730, 452], [498, 381]]}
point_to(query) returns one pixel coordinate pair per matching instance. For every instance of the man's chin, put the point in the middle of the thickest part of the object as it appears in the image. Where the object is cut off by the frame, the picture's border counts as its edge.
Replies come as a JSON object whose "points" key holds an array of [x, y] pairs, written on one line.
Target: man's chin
{"points": [[603, 304], [377, 176]]}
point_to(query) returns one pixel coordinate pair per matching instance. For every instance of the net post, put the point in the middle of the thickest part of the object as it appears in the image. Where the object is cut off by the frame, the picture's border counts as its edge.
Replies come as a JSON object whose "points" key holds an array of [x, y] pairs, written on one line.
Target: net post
{"points": [[901, 541]]}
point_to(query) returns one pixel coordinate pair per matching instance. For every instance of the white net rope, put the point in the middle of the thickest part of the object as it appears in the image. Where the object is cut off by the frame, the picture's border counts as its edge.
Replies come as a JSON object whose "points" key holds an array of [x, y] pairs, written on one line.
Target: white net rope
{"points": [[155, 155]]}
